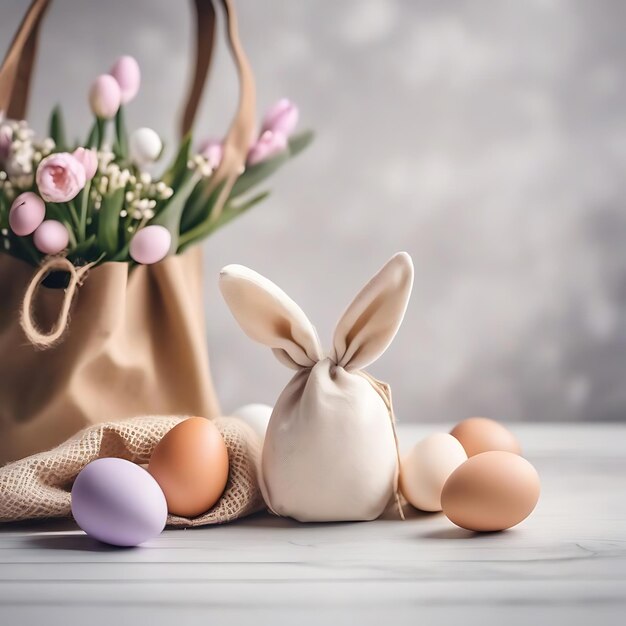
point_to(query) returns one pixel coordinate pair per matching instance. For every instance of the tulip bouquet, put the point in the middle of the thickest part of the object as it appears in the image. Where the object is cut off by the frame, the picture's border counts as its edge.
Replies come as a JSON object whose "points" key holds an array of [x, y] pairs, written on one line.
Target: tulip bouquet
{"points": [[100, 200]]}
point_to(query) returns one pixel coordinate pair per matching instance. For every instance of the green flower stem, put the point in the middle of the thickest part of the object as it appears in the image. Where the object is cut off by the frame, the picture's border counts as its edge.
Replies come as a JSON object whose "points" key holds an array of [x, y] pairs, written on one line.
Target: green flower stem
{"points": [[74, 215], [101, 125], [121, 147], [92, 139], [72, 237], [84, 206]]}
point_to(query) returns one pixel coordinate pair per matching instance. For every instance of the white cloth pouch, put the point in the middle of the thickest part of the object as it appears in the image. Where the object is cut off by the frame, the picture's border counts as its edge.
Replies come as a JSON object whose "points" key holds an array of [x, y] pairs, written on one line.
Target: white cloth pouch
{"points": [[330, 451]]}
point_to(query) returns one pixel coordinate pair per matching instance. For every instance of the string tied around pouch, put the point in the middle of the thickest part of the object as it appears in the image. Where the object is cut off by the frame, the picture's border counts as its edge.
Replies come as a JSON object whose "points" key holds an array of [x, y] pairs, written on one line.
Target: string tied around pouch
{"points": [[46, 339]]}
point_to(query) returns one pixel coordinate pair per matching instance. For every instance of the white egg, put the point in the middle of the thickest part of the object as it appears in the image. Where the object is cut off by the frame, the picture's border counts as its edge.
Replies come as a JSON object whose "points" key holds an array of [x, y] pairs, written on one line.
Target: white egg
{"points": [[144, 146], [424, 471], [257, 416]]}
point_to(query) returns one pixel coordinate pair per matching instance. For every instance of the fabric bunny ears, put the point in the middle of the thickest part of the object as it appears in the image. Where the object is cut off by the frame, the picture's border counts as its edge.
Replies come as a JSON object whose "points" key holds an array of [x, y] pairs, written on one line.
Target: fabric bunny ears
{"points": [[364, 331]]}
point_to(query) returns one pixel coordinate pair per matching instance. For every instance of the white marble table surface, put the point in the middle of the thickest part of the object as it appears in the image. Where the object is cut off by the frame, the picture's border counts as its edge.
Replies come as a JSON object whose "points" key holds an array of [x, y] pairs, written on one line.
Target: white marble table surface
{"points": [[565, 565]]}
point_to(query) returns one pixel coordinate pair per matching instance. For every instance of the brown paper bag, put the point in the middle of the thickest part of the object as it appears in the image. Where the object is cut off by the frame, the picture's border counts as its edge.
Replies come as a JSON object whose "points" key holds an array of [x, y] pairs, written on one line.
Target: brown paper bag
{"points": [[39, 486], [136, 344], [135, 341]]}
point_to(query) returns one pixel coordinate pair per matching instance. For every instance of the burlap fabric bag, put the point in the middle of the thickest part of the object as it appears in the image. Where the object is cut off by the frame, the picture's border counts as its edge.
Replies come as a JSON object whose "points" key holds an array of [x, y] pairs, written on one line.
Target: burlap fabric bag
{"points": [[39, 486], [134, 342]]}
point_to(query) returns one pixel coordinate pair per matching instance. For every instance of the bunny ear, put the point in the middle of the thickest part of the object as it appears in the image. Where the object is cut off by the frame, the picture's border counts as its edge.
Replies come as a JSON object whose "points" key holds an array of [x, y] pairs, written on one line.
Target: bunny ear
{"points": [[369, 324], [268, 315]]}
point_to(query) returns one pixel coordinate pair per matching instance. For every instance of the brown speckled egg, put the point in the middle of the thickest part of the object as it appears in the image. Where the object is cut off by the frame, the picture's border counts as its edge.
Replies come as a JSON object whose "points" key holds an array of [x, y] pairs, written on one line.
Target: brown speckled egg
{"points": [[491, 491], [190, 464], [480, 434]]}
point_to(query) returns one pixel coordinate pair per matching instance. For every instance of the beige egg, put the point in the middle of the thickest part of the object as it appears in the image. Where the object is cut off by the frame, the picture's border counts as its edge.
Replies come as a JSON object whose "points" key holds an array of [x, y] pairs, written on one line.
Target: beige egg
{"points": [[257, 416], [424, 471], [491, 491], [190, 464], [480, 434]]}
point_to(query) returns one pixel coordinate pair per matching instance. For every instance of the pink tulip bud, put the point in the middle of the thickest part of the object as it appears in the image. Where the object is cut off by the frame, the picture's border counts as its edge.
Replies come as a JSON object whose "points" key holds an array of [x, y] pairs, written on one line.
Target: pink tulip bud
{"points": [[60, 177], [282, 117], [150, 244], [105, 96], [51, 237], [128, 76], [212, 150], [268, 145], [27, 212], [88, 159]]}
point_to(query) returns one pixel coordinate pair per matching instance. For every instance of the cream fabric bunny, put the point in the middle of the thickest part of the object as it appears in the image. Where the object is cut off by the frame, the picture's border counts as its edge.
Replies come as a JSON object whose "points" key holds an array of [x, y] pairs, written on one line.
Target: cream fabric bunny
{"points": [[330, 452]]}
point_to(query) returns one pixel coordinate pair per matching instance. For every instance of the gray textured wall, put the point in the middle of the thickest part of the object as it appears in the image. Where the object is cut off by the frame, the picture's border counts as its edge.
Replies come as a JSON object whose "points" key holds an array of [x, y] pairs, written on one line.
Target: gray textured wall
{"points": [[486, 138]]}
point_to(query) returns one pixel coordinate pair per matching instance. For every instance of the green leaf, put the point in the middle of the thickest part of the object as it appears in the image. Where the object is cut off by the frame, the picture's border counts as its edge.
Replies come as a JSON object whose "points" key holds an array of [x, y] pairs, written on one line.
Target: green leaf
{"points": [[199, 207], [23, 248], [175, 174], [121, 136], [229, 213], [257, 173], [94, 136], [122, 255], [299, 142], [83, 250], [109, 221], [172, 213], [56, 129]]}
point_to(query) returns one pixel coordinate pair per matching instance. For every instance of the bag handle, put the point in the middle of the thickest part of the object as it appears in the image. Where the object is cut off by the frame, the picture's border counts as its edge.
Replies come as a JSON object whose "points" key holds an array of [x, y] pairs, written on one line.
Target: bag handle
{"points": [[17, 67], [15, 80]]}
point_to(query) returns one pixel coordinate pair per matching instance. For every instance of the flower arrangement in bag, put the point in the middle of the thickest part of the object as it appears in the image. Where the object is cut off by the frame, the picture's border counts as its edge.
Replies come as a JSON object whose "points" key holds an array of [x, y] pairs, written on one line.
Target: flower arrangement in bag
{"points": [[99, 200]]}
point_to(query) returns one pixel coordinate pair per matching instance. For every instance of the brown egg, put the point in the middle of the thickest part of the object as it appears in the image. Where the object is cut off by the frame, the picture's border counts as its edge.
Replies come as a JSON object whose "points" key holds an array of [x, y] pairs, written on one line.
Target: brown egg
{"points": [[491, 491], [480, 434], [190, 464]]}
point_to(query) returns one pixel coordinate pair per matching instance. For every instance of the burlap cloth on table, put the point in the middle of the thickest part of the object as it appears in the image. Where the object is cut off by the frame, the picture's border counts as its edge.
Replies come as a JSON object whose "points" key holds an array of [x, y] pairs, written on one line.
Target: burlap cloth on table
{"points": [[39, 485]]}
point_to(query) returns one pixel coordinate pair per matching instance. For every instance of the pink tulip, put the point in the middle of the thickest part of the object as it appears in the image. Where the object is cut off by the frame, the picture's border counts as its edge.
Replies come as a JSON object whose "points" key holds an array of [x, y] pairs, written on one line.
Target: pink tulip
{"points": [[105, 96], [27, 212], [128, 76], [60, 177], [212, 150], [150, 244], [282, 117], [51, 237], [268, 145], [88, 159]]}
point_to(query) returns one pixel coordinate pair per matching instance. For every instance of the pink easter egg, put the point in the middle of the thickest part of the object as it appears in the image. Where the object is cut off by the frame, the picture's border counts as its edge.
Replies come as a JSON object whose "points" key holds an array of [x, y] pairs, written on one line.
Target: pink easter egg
{"points": [[27, 212], [151, 244], [51, 237]]}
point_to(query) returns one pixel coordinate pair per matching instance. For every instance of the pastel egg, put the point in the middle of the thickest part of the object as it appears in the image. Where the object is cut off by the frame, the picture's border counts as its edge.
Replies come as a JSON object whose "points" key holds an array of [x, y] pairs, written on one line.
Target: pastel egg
{"points": [[145, 146], [118, 502], [491, 491], [257, 416], [480, 434], [27, 212], [51, 237], [190, 464], [150, 244], [424, 471]]}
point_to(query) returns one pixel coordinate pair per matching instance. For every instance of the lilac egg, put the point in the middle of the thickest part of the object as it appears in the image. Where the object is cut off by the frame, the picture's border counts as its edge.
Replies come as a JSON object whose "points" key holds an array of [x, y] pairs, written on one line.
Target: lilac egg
{"points": [[118, 502], [51, 237], [151, 244], [27, 212]]}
